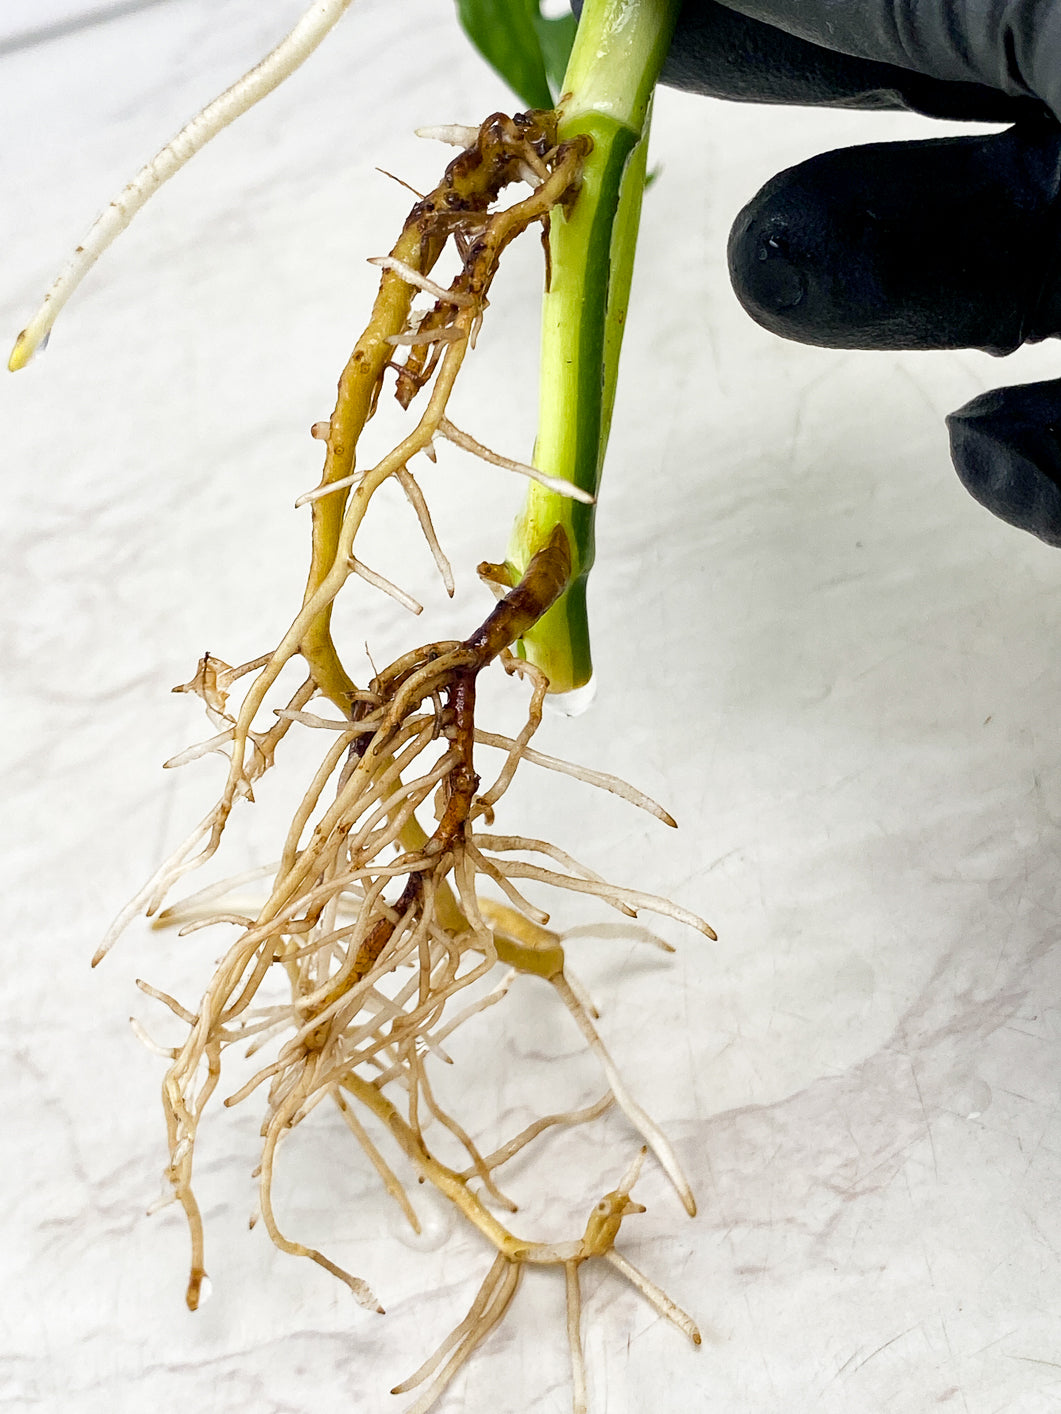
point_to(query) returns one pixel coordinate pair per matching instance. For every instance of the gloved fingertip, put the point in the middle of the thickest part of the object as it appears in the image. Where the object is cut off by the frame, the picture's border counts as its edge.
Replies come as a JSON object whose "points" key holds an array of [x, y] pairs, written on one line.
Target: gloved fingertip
{"points": [[1006, 449], [941, 244]]}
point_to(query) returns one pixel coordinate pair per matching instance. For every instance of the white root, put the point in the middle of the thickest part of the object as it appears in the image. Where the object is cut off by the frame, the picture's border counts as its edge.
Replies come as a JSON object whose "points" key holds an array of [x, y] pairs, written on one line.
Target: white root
{"points": [[415, 498], [455, 134], [422, 282], [200, 749], [389, 1178], [387, 586], [579, 1398], [330, 724], [524, 1137], [631, 932], [645, 1125], [623, 899], [495, 1296], [652, 1294], [469, 444], [166, 1052], [292, 51], [157, 886], [601, 779], [581, 994], [196, 905], [181, 1012], [490, 999], [240, 920], [521, 904], [504, 844], [164, 1200], [444, 334]]}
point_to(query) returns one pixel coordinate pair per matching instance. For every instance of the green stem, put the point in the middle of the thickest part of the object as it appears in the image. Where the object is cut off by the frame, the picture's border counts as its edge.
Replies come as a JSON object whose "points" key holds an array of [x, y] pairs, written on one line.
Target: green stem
{"points": [[617, 55]]}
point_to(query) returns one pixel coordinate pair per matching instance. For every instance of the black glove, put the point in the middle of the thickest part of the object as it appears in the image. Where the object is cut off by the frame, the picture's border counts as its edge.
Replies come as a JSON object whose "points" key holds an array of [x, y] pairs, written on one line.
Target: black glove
{"points": [[991, 60], [916, 245]]}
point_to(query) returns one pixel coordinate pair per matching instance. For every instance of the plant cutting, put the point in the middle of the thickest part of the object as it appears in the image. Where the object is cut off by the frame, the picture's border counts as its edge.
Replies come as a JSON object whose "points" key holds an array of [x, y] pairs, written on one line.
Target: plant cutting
{"points": [[396, 910]]}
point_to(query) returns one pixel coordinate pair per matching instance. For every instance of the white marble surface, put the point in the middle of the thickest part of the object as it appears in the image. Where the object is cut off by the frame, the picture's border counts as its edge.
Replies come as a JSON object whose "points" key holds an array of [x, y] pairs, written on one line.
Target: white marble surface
{"points": [[840, 673]]}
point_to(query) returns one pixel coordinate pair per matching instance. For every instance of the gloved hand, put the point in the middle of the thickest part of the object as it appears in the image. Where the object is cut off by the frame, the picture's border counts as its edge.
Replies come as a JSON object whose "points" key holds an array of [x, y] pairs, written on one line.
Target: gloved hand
{"points": [[950, 243]]}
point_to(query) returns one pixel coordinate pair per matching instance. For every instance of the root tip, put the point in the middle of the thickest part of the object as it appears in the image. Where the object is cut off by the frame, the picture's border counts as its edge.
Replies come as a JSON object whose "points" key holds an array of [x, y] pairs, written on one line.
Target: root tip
{"points": [[194, 1294], [21, 353]]}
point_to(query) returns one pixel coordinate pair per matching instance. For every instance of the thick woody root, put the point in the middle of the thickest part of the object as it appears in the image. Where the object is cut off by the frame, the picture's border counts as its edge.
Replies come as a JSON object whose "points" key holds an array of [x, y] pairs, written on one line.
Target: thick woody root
{"points": [[374, 922]]}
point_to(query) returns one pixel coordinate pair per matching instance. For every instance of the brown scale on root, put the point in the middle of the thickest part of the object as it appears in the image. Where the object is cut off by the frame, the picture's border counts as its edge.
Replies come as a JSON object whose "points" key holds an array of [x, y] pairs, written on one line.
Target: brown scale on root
{"points": [[374, 922]]}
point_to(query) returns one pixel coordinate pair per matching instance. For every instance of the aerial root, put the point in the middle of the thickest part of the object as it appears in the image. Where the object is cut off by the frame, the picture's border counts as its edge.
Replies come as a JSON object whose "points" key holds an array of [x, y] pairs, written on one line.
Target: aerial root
{"points": [[292, 51]]}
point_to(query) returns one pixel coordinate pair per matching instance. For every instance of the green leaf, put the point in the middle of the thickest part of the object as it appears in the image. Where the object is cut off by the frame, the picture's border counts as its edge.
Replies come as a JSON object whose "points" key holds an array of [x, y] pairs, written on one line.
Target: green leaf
{"points": [[555, 38], [525, 48]]}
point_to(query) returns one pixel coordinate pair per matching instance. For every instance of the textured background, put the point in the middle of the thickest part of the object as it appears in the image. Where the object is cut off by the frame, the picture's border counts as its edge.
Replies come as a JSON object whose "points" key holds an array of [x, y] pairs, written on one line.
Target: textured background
{"points": [[839, 673]]}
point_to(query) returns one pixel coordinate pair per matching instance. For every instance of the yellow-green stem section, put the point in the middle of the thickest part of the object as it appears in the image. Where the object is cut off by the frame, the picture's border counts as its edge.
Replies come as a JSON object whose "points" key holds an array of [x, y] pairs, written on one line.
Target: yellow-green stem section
{"points": [[616, 59]]}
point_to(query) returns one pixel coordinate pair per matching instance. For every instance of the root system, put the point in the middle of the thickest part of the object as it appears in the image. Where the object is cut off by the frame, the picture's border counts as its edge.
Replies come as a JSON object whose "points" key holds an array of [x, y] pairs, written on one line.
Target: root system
{"points": [[374, 921]]}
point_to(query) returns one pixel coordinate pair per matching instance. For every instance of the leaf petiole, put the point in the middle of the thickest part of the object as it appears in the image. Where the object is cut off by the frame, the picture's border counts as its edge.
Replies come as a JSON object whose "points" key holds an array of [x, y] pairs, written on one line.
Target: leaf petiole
{"points": [[614, 64]]}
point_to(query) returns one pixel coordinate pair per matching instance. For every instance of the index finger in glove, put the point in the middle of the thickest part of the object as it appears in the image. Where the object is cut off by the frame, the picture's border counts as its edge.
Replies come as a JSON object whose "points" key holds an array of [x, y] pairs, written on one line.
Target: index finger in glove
{"points": [[1010, 45], [724, 54]]}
